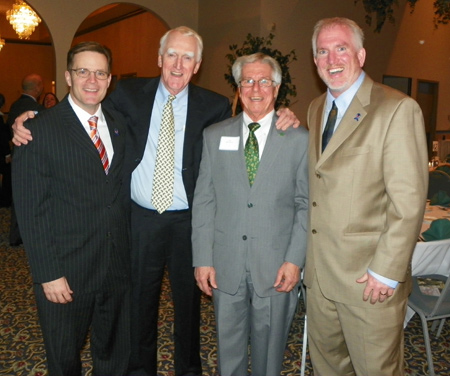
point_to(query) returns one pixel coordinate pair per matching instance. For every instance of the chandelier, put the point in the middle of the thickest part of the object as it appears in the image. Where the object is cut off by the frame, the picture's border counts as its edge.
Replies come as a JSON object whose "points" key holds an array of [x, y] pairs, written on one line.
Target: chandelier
{"points": [[23, 19]]}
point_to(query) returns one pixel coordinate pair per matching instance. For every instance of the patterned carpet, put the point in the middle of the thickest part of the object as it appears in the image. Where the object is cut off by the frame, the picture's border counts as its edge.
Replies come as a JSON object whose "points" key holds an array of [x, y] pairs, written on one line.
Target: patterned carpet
{"points": [[22, 351]]}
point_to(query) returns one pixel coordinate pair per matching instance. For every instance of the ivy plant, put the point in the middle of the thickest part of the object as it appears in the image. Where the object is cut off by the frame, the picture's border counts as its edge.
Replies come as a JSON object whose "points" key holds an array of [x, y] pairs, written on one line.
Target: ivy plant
{"points": [[384, 11]]}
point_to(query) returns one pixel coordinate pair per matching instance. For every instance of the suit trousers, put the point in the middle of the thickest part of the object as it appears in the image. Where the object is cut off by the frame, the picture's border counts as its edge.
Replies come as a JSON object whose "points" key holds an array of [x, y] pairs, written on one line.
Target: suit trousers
{"points": [[266, 320], [65, 328], [160, 241], [347, 340]]}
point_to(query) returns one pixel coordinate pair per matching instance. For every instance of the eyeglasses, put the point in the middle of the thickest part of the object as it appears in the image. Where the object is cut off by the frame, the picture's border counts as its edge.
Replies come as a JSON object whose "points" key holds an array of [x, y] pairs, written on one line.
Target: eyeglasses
{"points": [[263, 82], [85, 73]]}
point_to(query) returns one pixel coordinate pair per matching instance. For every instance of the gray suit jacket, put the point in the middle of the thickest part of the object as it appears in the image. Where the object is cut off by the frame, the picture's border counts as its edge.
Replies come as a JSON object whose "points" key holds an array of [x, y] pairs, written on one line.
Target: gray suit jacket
{"points": [[237, 226]]}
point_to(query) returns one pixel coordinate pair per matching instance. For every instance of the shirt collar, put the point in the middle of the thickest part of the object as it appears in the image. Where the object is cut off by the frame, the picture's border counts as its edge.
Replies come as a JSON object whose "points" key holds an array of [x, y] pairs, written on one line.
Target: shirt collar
{"points": [[163, 93], [344, 100], [265, 122], [84, 116]]}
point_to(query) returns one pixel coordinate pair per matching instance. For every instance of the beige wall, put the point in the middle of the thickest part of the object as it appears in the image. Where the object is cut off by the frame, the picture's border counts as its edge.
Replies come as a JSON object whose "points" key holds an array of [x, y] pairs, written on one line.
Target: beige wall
{"points": [[294, 19], [429, 61], [64, 17], [128, 55], [394, 51]]}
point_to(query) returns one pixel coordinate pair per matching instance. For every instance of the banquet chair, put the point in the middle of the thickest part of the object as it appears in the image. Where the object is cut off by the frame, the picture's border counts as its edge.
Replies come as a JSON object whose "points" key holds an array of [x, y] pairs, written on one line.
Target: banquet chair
{"points": [[444, 167], [438, 181], [431, 308]]}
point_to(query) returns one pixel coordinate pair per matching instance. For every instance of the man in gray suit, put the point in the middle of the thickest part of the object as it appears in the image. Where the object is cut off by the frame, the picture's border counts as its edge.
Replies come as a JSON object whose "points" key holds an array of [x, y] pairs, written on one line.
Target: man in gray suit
{"points": [[249, 223]]}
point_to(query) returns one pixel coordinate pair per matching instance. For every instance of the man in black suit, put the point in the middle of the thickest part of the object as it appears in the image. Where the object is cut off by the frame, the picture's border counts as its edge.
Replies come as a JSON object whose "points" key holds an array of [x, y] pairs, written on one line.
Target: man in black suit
{"points": [[68, 189], [32, 88], [163, 239]]}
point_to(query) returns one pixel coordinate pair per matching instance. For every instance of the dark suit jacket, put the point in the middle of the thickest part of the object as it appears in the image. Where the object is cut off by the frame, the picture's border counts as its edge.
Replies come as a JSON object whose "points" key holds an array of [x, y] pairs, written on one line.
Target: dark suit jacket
{"points": [[134, 98], [24, 103], [71, 215]]}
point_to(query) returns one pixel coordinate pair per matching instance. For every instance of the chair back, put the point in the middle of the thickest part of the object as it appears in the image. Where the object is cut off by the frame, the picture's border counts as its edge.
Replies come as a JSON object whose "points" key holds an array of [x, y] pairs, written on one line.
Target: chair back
{"points": [[438, 181]]}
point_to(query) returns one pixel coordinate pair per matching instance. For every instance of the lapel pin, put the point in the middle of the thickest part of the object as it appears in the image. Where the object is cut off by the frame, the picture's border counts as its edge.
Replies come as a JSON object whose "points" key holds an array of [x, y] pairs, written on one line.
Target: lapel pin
{"points": [[116, 131], [358, 115]]}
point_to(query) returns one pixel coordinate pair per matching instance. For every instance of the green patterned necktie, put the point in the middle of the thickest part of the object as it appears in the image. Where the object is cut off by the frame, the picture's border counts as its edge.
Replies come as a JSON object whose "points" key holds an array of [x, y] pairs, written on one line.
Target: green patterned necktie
{"points": [[252, 153]]}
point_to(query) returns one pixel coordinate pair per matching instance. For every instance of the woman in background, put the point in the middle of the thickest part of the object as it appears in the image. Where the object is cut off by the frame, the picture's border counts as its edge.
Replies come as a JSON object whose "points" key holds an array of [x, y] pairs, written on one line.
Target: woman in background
{"points": [[49, 100]]}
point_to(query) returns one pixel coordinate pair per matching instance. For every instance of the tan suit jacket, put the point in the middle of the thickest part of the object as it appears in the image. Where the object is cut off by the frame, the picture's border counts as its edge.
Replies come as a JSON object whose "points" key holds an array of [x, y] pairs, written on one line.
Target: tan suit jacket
{"points": [[367, 193]]}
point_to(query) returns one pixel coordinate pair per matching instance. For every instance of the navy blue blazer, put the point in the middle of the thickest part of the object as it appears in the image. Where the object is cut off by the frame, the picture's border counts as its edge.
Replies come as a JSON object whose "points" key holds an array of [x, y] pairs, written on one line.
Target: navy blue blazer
{"points": [[134, 98]]}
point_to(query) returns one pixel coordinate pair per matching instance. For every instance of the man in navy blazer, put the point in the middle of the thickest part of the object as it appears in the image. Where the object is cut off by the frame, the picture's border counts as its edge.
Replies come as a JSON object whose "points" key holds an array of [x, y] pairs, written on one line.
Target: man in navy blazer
{"points": [[71, 211]]}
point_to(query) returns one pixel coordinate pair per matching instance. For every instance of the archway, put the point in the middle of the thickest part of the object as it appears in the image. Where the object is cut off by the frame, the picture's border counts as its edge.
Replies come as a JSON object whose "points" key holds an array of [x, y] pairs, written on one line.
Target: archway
{"points": [[20, 57], [131, 32]]}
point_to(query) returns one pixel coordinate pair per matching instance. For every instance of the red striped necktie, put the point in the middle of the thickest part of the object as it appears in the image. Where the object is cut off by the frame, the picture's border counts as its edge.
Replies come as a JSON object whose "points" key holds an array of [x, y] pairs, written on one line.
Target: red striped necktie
{"points": [[95, 137]]}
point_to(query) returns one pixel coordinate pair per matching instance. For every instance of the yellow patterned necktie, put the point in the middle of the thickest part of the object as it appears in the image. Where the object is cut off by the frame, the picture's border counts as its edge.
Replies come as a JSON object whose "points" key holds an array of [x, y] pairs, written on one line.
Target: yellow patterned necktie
{"points": [[252, 153], [164, 175]]}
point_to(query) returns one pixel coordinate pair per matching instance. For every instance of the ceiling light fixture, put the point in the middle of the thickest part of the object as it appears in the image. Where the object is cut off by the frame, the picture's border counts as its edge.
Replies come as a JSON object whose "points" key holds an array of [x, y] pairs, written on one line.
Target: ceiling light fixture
{"points": [[2, 43], [23, 19]]}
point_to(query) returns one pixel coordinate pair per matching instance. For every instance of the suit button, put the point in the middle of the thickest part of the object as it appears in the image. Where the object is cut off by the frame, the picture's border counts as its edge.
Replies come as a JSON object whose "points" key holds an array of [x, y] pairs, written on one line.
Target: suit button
{"points": [[244, 237], [314, 204], [250, 205], [314, 231], [318, 175]]}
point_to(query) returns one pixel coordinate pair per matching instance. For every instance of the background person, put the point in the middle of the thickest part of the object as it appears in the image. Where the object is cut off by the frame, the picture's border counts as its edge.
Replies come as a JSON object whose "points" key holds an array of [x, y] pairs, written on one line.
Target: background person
{"points": [[32, 87], [49, 100]]}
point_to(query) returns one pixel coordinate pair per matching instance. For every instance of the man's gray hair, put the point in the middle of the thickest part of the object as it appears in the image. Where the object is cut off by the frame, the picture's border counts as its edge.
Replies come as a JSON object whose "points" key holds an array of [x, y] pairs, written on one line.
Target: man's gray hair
{"points": [[187, 32], [327, 23], [260, 57]]}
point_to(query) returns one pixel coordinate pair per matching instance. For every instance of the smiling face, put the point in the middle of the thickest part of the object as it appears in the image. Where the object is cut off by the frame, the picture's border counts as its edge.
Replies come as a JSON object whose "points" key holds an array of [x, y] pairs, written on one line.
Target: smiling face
{"points": [[339, 63], [49, 101], [88, 92], [257, 101], [179, 62]]}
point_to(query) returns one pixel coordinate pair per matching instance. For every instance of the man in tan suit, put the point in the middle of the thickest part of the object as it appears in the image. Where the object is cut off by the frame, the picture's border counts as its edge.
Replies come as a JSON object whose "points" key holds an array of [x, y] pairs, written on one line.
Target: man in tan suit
{"points": [[367, 195]]}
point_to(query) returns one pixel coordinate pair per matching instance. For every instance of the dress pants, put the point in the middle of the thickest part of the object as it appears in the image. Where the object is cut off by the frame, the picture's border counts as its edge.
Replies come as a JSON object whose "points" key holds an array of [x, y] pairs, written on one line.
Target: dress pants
{"points": [[160, 241], [347, 340], [266, 320], [65, 328]]}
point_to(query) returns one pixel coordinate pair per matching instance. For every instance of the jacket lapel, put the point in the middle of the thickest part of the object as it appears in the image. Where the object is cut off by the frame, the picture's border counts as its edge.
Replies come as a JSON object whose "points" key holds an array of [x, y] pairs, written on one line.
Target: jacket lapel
{"points": [[351, 121], [271, 149]]}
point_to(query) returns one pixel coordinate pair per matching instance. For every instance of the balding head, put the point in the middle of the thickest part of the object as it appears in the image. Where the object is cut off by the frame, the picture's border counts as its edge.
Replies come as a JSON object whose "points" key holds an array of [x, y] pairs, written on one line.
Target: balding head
{"points": [[33, 85]]}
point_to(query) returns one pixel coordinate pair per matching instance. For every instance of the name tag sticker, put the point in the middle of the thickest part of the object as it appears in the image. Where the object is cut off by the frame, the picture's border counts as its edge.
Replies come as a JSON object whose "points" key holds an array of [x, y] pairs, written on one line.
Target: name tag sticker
{"points": [[229, 143]]}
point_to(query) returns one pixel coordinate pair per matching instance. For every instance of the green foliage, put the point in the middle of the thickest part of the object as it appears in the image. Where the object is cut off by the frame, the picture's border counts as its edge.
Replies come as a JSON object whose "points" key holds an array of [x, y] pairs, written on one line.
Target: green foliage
{"points": [[441, 12], [252, 45], [384, 11]]}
